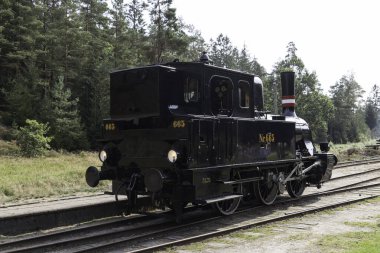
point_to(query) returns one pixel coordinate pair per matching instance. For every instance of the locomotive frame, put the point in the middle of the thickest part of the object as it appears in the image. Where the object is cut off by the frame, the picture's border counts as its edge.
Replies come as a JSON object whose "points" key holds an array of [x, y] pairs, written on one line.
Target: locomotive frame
{"points": [[191, 132]]}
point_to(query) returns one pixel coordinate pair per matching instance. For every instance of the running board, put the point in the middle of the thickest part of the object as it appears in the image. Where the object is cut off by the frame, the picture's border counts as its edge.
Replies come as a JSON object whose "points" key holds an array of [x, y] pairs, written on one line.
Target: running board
{"points": [[217, 199], [241, 181]]}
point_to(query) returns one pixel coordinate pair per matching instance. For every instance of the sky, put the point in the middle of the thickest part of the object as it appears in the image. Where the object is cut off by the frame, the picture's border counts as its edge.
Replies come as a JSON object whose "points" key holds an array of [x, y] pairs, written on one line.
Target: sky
{"points": [[333, 37]]}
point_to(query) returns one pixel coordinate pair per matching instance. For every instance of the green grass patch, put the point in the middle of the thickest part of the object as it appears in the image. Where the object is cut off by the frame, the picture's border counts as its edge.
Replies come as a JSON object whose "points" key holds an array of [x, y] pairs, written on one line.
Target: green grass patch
{"points": [[354, 242], [300, 236], [361, 224], [253, 233], [55, 175], [353, 151], [196, 247]]}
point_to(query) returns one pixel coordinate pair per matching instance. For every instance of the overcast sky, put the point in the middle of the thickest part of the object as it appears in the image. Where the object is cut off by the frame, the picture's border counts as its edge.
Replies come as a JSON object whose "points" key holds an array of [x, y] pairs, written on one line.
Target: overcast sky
{"points": [[333, 37]]}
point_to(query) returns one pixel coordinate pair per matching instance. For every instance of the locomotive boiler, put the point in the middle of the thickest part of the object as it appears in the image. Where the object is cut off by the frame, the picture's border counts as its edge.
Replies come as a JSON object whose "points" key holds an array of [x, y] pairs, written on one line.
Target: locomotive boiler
{"points": [[191, 132]]}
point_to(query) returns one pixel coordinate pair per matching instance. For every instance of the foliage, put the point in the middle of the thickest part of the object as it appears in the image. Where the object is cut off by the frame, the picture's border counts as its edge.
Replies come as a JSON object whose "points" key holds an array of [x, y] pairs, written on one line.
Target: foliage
{"points": [[348, 124], [32, 138], [63, 117], [312, 105], [372, 106], [223, 53], [167, 37], [371, 115], [72, 45]]}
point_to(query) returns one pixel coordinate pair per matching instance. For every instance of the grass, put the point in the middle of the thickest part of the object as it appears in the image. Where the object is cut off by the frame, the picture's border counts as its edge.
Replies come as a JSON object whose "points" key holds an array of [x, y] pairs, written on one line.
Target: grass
{"points": [[224, 241], [361, 224], [353, 151], [352, 242], [57, 175], [253, 233]]}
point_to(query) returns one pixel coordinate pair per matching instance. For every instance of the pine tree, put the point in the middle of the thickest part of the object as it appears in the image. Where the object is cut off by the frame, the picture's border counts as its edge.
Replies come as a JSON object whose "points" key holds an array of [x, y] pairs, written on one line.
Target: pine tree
{"points": [[223, 53], [166, 35], [119, 29], [137, 31], [196, 44], [346, 94], [96, 63], [19, 28], [371, 115], [248, 64], [64, 120]]}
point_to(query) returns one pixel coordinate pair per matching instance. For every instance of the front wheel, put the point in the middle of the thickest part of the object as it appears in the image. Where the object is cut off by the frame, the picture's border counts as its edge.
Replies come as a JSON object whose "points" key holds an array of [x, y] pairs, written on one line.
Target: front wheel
{"points": [[295, 188]]}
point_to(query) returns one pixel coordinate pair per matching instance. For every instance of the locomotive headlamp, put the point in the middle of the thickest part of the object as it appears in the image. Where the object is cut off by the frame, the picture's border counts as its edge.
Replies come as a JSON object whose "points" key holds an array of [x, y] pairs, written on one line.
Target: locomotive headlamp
{"points": [[102, 155], [172, 156]]}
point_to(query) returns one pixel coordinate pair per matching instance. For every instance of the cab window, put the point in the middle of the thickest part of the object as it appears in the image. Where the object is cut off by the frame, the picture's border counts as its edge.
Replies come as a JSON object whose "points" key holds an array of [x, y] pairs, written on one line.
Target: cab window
{"points": [[191, 88], [244, 94]]}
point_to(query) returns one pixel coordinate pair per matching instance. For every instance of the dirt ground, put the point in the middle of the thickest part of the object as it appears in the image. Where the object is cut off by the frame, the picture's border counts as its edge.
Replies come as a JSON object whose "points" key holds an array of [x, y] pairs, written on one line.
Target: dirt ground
{"points": [[302, 234]]}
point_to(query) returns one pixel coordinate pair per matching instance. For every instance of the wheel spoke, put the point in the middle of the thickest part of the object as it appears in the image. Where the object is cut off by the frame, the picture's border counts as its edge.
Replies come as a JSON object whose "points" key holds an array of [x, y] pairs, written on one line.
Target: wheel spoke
{"points": [[227, 207], [266, 192], [296, 188]]}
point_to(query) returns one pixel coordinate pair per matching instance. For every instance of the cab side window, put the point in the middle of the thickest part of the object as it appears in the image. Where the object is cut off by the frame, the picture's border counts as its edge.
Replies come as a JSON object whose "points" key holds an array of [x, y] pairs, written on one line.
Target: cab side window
{"points": [[244, 94], [191, 90]]}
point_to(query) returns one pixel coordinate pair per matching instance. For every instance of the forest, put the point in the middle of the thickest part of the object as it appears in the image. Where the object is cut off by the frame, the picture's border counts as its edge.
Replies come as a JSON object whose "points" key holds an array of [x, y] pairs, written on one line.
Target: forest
{"points": [[56, 55]]}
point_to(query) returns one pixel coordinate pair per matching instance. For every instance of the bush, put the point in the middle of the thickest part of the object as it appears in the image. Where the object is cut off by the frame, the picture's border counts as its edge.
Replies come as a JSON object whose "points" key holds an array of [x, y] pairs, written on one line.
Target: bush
{"points": [[32, 138]]}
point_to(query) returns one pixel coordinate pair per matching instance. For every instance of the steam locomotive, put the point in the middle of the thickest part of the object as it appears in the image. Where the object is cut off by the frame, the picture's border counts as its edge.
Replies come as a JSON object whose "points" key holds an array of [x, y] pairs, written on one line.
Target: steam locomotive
{"points": [[191, 132]]}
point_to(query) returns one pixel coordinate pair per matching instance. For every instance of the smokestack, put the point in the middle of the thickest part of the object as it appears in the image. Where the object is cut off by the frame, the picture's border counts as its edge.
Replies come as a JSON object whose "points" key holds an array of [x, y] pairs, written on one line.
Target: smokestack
{"points": [[288, 94]]}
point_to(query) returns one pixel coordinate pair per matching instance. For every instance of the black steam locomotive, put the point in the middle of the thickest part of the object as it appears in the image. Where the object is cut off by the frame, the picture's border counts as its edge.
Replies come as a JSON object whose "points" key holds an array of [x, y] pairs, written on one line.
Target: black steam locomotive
{"points": [[191, 132]]}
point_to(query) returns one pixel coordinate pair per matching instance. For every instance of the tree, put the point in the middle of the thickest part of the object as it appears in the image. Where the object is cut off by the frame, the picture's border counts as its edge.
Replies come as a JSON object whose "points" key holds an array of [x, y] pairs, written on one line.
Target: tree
{"points": [[372, 108], [312, 104], [345, 126], [223, 53], [119, 29], [371, 115], [93, 79], [317, 109], [166, 34], [19, 29], [248, 64], [137, 31], [32, 138], [64, 120], [195, 44]]}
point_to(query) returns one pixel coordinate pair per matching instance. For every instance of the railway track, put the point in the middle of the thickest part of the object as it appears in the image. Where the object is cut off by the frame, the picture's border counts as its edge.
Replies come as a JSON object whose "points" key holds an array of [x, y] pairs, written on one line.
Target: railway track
{"points": [[21, 218], [357, 162], [132, 234]]}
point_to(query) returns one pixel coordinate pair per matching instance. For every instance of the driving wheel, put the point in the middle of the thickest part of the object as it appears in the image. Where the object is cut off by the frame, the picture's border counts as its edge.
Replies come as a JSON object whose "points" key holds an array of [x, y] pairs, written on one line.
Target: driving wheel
{"points": [[266, 190], [229, 206], [295, 188]]}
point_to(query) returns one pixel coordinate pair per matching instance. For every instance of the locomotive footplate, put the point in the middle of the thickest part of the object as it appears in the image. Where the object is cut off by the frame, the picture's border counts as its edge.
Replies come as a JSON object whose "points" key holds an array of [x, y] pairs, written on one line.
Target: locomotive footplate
{"points": [[217, 199]]}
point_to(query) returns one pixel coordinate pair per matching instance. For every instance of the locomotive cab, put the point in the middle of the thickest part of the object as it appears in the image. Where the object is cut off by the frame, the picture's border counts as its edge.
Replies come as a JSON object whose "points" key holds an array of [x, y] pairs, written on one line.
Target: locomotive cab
{"points": [[152, 92]]}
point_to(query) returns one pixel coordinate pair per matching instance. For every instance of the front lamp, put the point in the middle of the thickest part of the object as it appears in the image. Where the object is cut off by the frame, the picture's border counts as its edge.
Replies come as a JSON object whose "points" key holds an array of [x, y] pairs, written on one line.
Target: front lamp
{"points": [[102, 155], [172, 156]]}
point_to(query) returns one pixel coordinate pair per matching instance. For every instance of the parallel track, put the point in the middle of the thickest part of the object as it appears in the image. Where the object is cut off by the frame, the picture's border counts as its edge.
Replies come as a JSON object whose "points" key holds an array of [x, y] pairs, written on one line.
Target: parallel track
{"points": [[357, 162], [356, 194]]}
